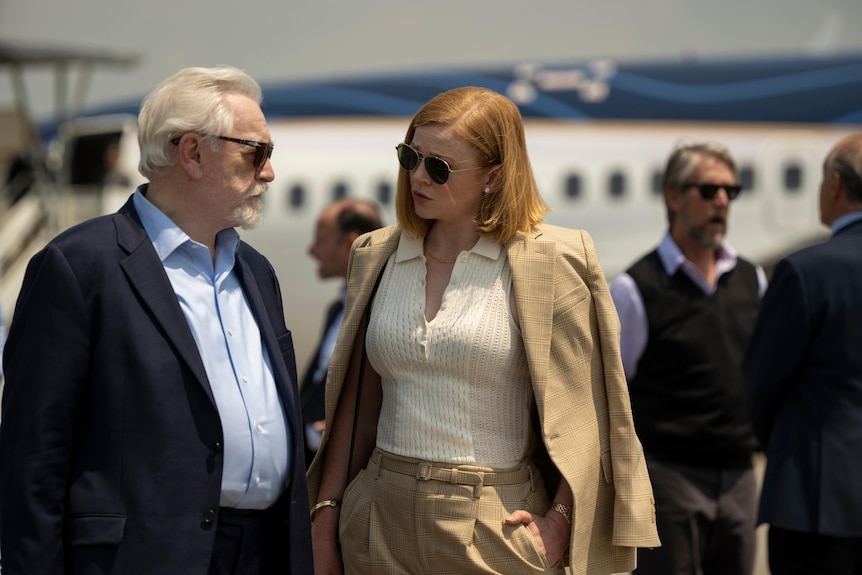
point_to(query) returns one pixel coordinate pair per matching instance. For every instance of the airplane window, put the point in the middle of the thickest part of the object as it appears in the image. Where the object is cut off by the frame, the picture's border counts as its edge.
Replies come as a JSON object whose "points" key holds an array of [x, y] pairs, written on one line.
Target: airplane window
{"points": [[296, 196], [384, 193], [617, 185], [339, 191], [573, 187], [746, 179], [657, 181], [792, 177]]}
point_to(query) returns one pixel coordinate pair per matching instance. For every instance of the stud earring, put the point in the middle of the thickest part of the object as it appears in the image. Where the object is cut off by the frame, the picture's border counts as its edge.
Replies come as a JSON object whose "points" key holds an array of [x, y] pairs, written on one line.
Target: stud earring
{"points": [[487, 191]]}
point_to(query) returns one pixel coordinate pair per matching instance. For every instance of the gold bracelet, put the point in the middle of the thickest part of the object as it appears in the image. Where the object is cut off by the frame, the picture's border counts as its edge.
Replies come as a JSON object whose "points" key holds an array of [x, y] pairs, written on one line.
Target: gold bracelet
{"points": [[564, 510], [321, 505]]}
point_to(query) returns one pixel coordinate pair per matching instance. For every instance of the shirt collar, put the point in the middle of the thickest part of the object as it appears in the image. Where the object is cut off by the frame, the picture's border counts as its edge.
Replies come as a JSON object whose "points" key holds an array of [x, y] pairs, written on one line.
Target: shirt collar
{"points": [[409, 248], [844, 221], [166, 235], [672, 257]]}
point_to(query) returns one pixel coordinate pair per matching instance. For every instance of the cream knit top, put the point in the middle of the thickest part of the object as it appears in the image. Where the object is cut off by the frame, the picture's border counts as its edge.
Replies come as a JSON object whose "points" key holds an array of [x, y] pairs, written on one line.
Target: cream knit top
{"points": [[457, 388]]}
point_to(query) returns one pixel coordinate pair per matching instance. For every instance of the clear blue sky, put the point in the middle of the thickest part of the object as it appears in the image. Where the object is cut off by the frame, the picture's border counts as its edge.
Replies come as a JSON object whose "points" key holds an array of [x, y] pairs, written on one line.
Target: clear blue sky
{"points": [[297, 40]]}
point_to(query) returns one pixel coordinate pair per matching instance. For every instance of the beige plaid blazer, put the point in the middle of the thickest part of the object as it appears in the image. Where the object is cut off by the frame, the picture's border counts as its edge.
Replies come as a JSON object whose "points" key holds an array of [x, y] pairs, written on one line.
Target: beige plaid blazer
{"points": [[571, 335]]}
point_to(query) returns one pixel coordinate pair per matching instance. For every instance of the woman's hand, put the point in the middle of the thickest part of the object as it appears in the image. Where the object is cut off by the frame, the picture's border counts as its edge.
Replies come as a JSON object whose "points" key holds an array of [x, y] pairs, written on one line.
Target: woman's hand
{"points": [[552, 532]]}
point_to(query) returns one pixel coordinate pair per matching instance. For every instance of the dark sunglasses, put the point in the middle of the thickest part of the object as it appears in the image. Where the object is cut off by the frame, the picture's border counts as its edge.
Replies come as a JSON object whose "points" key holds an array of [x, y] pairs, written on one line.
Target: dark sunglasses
{"points": [[708, 191], [262, 150], [437, 168]]}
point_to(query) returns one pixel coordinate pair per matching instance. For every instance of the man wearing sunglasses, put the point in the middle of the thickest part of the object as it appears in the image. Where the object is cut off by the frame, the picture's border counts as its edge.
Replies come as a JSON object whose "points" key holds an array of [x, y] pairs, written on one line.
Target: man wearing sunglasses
{"points": [[687, 310], [150, 421]]}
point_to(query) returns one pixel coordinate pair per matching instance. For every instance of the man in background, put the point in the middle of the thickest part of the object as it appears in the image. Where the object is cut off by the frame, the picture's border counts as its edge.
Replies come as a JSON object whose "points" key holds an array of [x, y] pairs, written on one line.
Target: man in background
{"points": [[338, 225], [686, 311], [150, 419], [803, 386]]}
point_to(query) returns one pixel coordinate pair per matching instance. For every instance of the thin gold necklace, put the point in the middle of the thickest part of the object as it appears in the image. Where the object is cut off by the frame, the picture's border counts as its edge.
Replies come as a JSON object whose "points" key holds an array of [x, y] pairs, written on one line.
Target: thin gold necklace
{"points": [[439, 260]]}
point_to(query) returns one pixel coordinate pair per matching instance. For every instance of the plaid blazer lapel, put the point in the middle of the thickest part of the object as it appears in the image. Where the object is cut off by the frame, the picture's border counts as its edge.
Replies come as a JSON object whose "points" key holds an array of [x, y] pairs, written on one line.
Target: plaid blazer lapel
{"points": [[366, 264], [532, 264]]}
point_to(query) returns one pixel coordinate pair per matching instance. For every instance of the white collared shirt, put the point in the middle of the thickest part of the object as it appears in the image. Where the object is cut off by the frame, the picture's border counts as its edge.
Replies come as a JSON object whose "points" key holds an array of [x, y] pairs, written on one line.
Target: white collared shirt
{"points": [[630, 306]]}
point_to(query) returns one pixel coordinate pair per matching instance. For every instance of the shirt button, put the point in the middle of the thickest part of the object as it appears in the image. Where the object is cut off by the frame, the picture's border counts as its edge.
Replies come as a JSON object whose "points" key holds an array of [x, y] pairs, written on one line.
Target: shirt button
{"points": [[245, 379], [259, 427], [257, 480], [230, 332], [444, 305], [464, 258], [209, 517]]}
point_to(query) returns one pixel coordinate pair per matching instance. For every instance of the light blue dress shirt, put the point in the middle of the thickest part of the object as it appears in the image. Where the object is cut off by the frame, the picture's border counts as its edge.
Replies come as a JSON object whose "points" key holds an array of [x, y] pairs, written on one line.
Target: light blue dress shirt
{"points": [[256, 435], [634, 330], [327, 345], [314, 438], [844, 221]]}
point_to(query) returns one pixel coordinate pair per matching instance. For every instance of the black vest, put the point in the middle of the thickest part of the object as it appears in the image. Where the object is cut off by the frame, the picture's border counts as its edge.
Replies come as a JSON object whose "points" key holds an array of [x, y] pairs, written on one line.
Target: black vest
{"points": [[687, 393]]}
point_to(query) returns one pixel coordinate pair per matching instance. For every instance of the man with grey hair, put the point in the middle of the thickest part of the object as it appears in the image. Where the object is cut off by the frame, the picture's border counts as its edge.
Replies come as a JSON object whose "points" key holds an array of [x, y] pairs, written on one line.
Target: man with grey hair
{"points": [[803, 386], [686, 311], [150, 421]]}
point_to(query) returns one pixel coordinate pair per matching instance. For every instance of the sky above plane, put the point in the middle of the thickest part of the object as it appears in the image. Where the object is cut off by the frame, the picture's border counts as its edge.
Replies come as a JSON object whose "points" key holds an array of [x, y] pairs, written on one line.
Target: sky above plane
{"points": [[277, 40]]}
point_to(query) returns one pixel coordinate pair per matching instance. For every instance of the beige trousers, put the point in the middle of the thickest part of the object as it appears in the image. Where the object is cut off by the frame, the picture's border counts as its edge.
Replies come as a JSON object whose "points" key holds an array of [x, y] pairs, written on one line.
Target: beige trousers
{"points": [[401, 515]]}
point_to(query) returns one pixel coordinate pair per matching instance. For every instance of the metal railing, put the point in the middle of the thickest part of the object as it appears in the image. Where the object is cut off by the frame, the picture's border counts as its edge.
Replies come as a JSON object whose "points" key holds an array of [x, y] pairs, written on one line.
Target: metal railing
{"points": [[28, 224]]}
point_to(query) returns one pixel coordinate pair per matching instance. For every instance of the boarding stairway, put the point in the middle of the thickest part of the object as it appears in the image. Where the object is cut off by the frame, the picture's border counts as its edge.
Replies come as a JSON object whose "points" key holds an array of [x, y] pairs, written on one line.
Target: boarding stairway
{"points": [[27, 225]]}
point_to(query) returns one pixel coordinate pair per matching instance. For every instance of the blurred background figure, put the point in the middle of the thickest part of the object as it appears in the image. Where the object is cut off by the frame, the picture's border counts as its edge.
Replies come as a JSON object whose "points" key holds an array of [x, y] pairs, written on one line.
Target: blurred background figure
{"points": [[803, 385], [338, 225], [686, 311]]}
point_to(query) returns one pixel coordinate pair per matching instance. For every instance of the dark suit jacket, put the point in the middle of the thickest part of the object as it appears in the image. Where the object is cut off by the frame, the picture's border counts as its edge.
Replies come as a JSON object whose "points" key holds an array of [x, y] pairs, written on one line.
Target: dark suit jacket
{"points": [[803, 386], [111, 444], [312, 390]]}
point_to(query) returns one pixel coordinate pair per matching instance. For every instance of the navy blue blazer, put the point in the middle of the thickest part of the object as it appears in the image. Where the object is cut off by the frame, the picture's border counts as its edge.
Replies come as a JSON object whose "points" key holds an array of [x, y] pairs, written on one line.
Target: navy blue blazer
{"points": [[110, 442], [803, 387]]}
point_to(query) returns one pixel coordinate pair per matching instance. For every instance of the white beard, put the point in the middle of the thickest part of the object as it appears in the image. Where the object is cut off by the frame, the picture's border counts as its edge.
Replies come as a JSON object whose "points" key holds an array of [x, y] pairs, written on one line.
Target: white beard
{"points": [[249, 214]]}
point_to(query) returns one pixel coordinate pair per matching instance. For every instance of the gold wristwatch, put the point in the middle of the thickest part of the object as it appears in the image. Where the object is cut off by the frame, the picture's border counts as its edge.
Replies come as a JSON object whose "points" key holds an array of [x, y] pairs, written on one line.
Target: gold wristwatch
{"points": [[564, 510]]}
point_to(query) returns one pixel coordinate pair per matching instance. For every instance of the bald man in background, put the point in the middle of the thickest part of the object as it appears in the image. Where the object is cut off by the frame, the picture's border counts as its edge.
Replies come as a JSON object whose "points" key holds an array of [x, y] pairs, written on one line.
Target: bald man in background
{"points": [[803, 387], [338, 225]]}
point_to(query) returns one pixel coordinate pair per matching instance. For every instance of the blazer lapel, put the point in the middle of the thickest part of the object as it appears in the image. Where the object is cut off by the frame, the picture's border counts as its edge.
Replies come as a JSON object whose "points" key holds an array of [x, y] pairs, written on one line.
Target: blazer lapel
{"points": [[147, 277], [532, 264], [367, 265]]}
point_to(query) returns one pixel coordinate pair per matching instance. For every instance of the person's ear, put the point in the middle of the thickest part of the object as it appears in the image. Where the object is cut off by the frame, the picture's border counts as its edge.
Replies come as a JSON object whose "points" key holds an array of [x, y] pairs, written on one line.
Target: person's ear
{"points": [[836, 186], [494, 179], [189, 157], [673, 199], [348, 240]]}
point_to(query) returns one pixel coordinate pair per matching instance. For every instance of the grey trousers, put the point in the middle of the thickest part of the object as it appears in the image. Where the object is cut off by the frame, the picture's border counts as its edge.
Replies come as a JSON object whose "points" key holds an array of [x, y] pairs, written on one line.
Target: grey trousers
{"points": [[706, 521]]}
